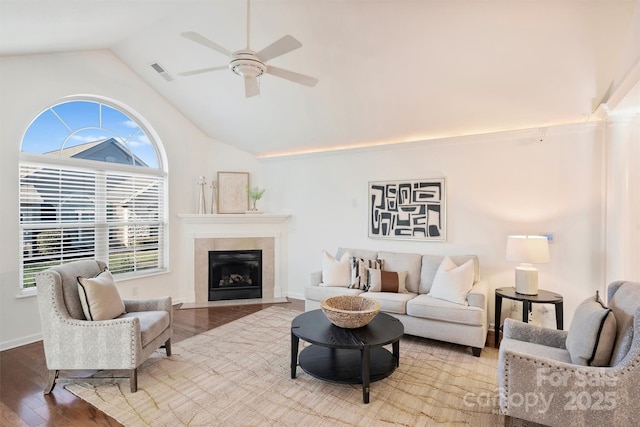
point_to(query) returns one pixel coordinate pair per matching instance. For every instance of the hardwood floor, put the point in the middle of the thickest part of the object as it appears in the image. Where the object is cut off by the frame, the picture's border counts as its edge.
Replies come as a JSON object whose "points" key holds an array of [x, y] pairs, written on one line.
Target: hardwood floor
{"points": [[23, 374]]}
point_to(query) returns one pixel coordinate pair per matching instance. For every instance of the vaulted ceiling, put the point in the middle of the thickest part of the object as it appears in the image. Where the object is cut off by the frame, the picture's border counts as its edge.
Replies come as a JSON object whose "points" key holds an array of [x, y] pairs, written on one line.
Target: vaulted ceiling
{"points": [[389, 70]]}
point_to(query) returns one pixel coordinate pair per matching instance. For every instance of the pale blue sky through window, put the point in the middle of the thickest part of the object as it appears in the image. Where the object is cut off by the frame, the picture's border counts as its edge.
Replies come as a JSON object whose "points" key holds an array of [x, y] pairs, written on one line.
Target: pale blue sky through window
{"points": [[75, 123]]}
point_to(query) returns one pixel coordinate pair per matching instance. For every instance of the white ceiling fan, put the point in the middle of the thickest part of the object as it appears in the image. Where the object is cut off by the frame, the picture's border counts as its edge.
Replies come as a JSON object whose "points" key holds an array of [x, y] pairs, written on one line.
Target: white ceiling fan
{"points": [[250, 64]]}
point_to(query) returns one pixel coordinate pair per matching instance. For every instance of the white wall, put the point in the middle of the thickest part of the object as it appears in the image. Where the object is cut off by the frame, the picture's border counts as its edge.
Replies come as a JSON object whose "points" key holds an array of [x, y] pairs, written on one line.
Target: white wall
{"points": [[28, 85], [623, 198], [497, 185]]}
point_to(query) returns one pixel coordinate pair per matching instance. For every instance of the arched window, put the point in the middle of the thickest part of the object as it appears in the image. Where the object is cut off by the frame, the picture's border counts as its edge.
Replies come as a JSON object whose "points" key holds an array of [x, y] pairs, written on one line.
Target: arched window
{"points": [[92, 186]]}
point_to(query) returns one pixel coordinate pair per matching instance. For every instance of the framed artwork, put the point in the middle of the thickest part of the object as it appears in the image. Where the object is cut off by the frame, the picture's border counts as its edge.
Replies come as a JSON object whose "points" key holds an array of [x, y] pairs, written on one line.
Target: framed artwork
{"points": [[408, 210], [232, 192]]}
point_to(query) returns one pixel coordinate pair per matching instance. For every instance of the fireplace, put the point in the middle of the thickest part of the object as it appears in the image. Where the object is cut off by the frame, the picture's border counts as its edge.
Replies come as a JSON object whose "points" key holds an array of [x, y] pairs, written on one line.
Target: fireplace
{"points": [[235, 274]]}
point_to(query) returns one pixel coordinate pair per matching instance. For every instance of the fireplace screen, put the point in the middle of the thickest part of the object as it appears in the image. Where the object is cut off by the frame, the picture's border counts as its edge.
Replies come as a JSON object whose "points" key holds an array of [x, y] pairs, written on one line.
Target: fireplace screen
{"points": [[235, 275]]}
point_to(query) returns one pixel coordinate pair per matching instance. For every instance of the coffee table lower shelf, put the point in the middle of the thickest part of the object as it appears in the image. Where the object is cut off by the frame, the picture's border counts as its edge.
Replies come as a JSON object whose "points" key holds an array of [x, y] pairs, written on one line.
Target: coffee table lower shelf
{"points": [[342, 355], [344, 366]]}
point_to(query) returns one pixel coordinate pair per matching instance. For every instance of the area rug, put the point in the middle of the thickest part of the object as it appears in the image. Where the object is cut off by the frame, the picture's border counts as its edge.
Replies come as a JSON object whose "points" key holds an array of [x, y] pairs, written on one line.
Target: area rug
{"points": [[239, 375]]}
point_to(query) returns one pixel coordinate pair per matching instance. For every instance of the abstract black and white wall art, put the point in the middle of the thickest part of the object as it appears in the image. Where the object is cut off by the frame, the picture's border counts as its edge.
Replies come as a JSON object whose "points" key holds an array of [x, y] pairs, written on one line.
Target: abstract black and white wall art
{"points": [[408, 210]]}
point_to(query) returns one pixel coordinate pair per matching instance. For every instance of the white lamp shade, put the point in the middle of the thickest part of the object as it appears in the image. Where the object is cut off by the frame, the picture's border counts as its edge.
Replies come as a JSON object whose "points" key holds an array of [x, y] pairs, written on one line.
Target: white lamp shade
{"points": [[528, 249]]}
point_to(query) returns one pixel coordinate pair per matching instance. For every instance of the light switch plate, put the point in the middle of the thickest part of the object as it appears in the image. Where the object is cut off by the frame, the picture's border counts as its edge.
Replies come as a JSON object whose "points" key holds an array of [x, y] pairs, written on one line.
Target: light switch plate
{"points": [[549, 236]]}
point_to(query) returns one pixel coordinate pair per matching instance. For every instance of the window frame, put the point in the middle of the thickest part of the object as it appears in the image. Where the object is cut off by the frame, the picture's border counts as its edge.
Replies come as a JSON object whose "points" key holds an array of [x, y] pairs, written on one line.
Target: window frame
{"points": [[102, 168]]}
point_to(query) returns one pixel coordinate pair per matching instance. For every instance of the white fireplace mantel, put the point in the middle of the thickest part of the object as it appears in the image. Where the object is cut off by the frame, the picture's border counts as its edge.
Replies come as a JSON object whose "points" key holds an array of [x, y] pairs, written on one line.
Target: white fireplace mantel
{"points": [[232, 226], [233, 218]]}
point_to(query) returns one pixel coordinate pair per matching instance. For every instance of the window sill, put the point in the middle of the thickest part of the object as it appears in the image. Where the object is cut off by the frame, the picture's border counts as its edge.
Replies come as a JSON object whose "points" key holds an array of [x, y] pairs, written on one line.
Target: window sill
{"points": [[33, 292], [124, 277], [27, 293]]}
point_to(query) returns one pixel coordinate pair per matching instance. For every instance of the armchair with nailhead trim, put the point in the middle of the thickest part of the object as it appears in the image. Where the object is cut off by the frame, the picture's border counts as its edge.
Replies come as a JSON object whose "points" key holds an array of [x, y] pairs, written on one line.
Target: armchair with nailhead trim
{"points": [[539, 381], [71, 342]]}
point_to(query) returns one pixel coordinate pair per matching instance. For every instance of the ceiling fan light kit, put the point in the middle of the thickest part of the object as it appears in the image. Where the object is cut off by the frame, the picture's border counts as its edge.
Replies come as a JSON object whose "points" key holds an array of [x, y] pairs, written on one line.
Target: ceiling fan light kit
{"points": [[249, 64]]}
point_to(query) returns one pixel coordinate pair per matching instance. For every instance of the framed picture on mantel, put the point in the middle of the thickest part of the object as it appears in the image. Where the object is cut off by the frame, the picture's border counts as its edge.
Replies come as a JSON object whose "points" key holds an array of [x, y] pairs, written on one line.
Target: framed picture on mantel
{"points": [[232, 192], [408, 210]]}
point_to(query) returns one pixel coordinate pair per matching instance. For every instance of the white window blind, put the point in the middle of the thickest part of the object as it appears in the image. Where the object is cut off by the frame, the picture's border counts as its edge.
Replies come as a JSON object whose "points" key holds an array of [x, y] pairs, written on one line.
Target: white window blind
{"points": [[70, 213]]}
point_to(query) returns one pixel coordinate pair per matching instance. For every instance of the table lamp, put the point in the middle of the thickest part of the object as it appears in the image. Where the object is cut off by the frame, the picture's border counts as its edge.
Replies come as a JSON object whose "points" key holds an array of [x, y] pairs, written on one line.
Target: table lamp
{"points": [[527, 250]]}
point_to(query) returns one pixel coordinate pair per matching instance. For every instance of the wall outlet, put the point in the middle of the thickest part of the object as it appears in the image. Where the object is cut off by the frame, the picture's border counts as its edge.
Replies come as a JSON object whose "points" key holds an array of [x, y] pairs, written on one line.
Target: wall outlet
{"points": [[134, 291]]}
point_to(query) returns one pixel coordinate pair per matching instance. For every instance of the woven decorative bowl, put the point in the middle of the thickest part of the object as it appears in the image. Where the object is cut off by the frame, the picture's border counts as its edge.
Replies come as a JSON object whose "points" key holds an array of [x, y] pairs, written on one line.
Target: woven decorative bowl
{"points": [[350, 311]]}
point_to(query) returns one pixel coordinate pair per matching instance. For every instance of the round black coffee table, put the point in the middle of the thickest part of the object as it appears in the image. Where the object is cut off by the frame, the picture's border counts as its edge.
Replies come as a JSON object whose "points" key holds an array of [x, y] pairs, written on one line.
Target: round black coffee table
{"points": [[347, 356]]}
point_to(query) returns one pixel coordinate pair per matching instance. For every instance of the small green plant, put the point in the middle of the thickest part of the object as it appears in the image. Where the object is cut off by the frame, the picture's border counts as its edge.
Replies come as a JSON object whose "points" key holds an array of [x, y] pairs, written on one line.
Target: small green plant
{"points": [[255, 193]]}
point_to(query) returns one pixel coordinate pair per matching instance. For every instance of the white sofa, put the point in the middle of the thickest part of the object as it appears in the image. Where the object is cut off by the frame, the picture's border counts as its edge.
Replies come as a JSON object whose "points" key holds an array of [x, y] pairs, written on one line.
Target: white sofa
{"points": [[421, 314]]}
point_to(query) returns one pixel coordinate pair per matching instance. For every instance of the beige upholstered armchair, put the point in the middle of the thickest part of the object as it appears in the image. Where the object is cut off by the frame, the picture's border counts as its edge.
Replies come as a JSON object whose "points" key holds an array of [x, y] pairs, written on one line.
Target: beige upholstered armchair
{"points": [[542, 380], [71, 342]]}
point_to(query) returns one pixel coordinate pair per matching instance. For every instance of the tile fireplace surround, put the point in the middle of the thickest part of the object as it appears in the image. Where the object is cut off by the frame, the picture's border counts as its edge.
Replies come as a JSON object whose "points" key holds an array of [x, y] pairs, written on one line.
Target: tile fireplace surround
{"points": [[203, 233]]}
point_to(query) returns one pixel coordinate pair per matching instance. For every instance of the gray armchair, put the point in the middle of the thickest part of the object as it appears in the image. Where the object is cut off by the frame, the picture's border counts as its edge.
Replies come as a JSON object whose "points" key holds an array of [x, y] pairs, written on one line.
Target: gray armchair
{"points": [[538, 381], [73, 343]]}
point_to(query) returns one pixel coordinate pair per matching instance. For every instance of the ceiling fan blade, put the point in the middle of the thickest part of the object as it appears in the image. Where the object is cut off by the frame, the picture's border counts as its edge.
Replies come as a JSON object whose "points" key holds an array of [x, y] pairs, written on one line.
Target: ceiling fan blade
{"points": [[193, 36], [251, 87], [290, 75], [279, 47], [203, 70]]}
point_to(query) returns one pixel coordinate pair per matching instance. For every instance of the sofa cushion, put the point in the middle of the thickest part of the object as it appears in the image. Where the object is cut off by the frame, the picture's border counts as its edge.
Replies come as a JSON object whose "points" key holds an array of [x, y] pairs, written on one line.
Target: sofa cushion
{"points": [[318, 293], [391, 302], [430, 264], [428, 307], [411, 263], [359, 267], [386, 281], [336, 272], [152, 323], [358, 253], [452, 282], [99, 297], [592, 333]]}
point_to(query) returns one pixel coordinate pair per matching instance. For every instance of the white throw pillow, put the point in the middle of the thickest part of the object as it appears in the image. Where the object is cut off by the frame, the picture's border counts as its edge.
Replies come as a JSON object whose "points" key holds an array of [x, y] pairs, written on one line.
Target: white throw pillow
{"points": [[99, 297], [453, 283], [386, 281], [336, 272]]}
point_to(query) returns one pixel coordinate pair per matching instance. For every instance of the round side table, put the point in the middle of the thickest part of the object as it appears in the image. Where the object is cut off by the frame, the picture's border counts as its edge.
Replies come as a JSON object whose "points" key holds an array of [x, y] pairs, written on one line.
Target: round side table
{"points": [[543, 297]]}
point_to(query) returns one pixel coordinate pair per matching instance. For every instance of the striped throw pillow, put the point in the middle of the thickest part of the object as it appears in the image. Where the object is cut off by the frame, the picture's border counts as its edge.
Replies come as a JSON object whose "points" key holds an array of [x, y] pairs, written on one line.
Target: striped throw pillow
{"points": [[359, 268]]}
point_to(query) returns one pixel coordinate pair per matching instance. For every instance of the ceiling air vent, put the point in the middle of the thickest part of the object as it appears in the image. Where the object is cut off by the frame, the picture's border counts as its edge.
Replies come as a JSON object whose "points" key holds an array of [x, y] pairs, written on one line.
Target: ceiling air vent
{"points": [[160, 70]]}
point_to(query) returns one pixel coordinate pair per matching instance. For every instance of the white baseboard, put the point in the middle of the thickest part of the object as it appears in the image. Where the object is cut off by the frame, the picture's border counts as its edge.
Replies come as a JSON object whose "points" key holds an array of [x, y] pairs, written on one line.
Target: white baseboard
{"points": [[295, 295], [182, 300], [7, 345]]}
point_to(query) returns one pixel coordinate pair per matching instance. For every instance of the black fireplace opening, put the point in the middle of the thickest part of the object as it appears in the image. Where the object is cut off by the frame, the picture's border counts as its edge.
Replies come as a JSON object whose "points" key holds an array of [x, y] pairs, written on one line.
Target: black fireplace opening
{"points": [[235, 275]]}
